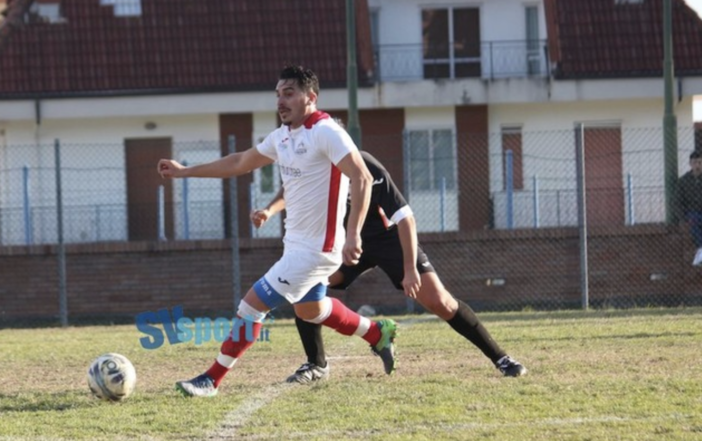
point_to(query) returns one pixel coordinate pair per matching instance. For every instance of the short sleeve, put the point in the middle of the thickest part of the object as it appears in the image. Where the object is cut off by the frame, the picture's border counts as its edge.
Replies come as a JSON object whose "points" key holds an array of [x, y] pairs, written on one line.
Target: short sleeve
{"points": [[385, 192], [334, 142], [267, 147]]}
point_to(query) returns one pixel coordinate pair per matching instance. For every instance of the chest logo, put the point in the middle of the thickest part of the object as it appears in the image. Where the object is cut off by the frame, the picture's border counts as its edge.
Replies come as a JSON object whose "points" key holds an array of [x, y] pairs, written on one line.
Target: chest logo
{"points": [[300, 149]]}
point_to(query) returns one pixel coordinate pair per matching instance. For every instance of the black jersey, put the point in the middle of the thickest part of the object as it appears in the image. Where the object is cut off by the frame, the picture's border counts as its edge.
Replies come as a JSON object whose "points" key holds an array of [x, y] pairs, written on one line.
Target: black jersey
{"points": [[385, 201], [381, 241]]}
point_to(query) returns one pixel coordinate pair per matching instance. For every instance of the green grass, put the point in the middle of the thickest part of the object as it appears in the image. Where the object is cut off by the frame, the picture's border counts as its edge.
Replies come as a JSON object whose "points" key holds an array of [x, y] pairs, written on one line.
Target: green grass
{"points": [[601, 375]]}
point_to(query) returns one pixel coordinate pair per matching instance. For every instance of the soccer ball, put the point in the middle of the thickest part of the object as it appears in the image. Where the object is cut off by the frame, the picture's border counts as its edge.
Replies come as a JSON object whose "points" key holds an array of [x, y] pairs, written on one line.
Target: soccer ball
{"points": [[112, 377]]}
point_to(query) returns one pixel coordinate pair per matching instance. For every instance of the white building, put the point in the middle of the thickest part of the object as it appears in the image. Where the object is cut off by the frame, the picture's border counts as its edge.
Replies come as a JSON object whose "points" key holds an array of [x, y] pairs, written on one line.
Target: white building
{"points": [[451, 87]]}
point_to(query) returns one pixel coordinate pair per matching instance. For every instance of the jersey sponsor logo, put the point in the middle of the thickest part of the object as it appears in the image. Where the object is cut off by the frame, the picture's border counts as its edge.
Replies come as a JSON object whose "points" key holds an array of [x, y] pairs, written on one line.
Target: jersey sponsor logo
{"points": [[283, 144], [290, 171], [283, 281], [378, 181]]}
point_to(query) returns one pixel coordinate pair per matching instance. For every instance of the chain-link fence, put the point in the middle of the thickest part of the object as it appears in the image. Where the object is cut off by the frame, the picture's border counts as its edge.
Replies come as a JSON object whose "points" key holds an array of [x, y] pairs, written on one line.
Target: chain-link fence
{"points": [[511, 220]]}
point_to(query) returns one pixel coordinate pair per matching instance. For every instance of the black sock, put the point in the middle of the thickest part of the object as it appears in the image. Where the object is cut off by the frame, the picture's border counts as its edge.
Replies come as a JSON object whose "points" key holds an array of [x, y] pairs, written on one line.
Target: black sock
{"points": [[311, 336], [466, 323]]}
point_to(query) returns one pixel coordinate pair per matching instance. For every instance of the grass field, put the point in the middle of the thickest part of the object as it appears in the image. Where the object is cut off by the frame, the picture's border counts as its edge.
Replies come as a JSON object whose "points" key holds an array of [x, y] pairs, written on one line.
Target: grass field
{"points": [[599, 375]]}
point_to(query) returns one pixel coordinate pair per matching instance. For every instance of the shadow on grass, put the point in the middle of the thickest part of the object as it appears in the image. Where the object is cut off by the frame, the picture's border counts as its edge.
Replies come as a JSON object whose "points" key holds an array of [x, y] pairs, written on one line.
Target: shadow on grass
{"points": [[48, 402], [592, 313], [640, 335]]}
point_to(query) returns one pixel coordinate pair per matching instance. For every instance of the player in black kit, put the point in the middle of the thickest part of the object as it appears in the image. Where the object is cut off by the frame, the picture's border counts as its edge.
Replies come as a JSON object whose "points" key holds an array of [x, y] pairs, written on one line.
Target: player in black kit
{"points": [[389, 238]]}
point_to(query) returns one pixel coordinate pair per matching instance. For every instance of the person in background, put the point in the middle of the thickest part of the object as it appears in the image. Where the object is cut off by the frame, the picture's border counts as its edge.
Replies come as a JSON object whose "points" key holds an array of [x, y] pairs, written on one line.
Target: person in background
{"points": [[689, 202]]}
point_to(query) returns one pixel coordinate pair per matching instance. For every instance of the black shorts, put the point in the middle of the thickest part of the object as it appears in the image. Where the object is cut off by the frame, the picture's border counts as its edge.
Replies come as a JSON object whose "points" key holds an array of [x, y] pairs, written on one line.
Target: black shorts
{"points": [[386, 254]]}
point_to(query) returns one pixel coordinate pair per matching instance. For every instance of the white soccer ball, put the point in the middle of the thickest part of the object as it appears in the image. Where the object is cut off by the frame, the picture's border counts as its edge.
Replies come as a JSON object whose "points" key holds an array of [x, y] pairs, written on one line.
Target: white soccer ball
{"points": [[112, 377]]}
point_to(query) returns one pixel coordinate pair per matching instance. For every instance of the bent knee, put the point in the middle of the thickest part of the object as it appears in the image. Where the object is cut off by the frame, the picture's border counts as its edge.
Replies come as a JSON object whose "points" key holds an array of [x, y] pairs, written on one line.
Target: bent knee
{"points": [[313, 312], [440, 303]]}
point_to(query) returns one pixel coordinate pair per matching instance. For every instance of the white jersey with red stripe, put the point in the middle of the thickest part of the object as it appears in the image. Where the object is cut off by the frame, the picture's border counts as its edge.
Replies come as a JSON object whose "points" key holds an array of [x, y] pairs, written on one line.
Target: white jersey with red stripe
{"points": [[315, 190]]}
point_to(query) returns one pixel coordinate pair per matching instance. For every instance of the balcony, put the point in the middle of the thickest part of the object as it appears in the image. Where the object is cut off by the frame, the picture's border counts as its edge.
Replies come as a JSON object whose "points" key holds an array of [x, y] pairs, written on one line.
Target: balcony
{"points": [[492, 60]]}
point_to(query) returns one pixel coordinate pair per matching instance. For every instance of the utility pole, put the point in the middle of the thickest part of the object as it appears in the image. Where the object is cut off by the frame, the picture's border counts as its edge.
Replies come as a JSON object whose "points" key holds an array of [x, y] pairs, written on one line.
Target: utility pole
{"points": [[353, 125], [670, 121]]}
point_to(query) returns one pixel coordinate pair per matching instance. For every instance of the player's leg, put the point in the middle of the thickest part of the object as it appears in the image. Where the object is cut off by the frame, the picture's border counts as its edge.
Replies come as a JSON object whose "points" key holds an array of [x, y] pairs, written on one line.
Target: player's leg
{"points": [[317, 308], [310, 333], [246, 328], [287, 281], [316, 367], [435, 298]]}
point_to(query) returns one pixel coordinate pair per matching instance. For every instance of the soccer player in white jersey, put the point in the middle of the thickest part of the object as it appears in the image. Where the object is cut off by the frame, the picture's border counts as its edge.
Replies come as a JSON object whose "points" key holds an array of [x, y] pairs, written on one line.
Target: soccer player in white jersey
{"points": [[316, 159]]}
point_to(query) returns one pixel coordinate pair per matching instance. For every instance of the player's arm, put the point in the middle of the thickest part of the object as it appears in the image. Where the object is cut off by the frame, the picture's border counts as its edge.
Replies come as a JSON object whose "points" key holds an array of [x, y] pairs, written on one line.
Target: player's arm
{"points": [[352, 165], [392, 202], [236, 164], [275, 206], [407, 231]]}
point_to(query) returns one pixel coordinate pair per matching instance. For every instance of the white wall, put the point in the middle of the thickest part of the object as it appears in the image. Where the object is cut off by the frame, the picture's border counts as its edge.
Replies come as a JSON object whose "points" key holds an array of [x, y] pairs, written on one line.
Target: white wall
{"points": [[93, 178], [548, 148]]}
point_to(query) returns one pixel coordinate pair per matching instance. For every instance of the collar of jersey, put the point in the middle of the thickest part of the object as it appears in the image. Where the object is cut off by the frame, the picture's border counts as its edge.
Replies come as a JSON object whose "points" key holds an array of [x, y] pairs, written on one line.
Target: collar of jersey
{"points": [[314, 118]]}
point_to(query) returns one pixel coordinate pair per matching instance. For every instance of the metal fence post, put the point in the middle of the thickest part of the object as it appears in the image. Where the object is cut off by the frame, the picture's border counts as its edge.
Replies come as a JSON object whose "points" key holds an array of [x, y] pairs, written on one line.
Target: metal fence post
{"points": [[406, 183], [535, 182], [406, 165], [98, 221], [234, 228], [630, 198], [252, 205], [186, 208], [582, 212], [28, 233], [61, 248], [442, 202], [161, 213], [509, 187]]}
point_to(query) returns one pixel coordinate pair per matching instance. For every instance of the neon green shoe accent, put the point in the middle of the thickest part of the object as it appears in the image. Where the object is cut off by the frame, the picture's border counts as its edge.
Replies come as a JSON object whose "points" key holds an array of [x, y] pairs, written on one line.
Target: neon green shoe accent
{"points": [[385, 348]]}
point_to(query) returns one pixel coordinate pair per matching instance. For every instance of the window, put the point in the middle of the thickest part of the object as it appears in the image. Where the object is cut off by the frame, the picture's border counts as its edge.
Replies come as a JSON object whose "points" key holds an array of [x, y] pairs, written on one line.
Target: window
{"points": [[532, 40], [432, 160], [124, 8], [451, 42], [45, 12], [512, 142]]}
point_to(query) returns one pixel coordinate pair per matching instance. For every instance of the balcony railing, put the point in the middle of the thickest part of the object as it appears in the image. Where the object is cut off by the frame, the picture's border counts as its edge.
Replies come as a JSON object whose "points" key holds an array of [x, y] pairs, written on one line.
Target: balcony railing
{"points": [[493, 60]]}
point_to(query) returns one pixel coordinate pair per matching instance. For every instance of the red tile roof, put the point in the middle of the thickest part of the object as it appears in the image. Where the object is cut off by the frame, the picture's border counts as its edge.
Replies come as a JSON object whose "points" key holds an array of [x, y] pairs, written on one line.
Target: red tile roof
{"points": [[181, 45], [606, 38]]}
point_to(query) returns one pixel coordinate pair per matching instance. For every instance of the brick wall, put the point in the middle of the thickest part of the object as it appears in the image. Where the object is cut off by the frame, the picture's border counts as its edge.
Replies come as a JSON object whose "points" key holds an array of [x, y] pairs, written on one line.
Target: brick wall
{"points": [[539, 268]]}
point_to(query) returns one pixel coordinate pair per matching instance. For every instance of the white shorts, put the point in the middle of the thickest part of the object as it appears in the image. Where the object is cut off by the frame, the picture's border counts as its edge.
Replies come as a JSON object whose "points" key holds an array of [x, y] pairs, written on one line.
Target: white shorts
{"points": [[298, 271]]}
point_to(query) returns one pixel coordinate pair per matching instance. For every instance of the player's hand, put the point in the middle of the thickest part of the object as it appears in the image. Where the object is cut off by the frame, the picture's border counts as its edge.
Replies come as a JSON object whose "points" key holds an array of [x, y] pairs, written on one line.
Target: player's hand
{"points": [[352, 250], [169, 168], [411, 283], [259, 217]]}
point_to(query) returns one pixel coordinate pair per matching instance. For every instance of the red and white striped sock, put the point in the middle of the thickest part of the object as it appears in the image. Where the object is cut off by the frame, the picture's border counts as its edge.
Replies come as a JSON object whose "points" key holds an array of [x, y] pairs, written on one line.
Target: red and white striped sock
{"points": [[337, 316], [232, 349]]}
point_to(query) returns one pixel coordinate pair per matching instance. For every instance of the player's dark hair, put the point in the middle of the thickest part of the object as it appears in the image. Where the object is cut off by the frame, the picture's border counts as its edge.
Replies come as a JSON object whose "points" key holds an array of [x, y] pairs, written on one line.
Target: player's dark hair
{"points": [[304, 77], [696, 154]]}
